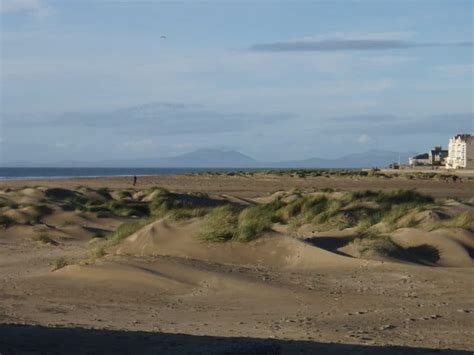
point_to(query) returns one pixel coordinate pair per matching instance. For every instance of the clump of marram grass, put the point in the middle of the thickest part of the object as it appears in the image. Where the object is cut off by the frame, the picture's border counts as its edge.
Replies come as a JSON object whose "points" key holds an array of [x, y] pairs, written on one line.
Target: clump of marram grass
{"points": [[46, 239], [124, 194], [220, 224], [376, 242], [8, 203], [40, 211], [59, 264], [255, 220], [123, 231], [463, 220], [6, 221], [188, 213], [122, 208], [403, 197], [392, 206], [229, 222], [304, 209], [410, 222], [104, 192], [165, 202], [126, 229], [98, 235], [100, 252], [392, 197], [470, 202]]}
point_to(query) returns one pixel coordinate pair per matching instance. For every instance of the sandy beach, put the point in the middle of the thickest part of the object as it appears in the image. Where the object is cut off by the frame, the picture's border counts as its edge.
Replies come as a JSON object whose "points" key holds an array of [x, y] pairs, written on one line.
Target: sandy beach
{"points": [[69, 284], [254, 185]]}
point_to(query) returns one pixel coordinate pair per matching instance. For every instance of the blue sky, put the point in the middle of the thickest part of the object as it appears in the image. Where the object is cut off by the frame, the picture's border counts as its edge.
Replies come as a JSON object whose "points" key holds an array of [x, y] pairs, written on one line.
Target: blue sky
{"points": [[277, 80]]}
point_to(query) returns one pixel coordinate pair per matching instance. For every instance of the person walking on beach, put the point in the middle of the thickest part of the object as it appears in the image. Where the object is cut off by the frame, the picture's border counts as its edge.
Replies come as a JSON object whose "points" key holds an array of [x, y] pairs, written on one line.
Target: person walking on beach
{"points": [[134, 180]]}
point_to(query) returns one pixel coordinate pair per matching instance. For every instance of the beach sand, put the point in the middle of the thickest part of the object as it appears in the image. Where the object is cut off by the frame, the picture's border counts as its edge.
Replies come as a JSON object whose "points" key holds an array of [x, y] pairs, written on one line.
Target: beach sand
{"points": [[161, 290]]}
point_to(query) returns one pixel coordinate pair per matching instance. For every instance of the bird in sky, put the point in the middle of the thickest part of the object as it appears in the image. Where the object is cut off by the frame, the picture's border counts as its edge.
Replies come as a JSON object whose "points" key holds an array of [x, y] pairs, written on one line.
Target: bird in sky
{"points": [[163, 37]]}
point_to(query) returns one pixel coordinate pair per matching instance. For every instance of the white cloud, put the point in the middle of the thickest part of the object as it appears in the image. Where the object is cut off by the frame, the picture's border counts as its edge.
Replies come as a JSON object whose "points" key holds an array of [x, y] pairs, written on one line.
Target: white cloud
{"points": [[38, 7]]}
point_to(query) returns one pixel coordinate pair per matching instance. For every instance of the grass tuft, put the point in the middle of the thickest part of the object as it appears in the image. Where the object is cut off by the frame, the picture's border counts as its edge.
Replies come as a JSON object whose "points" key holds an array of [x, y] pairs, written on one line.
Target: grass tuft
{"points": [[220, 224], [128, 228], [463, 220], [99, 235], [6, 221], [59, 264], [46, 239], [41, 211], [100, 252]]}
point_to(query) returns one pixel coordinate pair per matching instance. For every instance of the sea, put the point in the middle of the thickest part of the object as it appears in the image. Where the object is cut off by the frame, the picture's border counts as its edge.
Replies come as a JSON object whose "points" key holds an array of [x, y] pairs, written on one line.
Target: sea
{"points": [[65, 173]]}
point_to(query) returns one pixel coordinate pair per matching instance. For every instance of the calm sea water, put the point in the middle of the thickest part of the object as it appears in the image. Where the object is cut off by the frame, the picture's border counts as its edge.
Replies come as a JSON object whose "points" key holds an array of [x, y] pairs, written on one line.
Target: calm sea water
{"points": [[64, 173]]}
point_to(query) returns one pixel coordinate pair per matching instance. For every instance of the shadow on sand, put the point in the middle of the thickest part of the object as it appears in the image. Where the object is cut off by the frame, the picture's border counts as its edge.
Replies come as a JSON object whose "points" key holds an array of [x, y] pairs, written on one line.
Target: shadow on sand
{"points": [[423, 254], [29, 339]]}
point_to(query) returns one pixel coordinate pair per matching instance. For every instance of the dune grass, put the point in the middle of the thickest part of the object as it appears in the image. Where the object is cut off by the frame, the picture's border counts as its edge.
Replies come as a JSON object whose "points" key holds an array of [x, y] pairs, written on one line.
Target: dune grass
{"points": [[59, 264], [377, 243], [188, 213], [224, 221], [41, 210], [98, 235], [463, 220], [220, 224], [6, 221], [235, 223], [46, 239], [124, 194], [106, 205], [328, 173], [8, 203], [325, 211], [255, 220], [100, 252], [179, 205], [126, 229]]}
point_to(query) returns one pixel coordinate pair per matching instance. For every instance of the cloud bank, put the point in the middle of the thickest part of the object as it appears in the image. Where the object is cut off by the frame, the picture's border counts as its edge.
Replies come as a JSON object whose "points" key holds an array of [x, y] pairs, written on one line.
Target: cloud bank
{"points": [[391, 125], [327, 45], [157, 119], [38, 7]]}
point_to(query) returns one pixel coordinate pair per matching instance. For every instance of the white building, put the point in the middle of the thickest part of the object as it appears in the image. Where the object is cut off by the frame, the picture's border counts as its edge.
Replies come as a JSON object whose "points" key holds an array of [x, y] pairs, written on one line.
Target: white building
{"points": [[461, 152]]}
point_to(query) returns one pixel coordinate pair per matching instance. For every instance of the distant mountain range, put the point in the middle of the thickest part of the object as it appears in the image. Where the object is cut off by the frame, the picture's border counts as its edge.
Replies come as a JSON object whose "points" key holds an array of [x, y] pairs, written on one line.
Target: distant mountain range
{"points": [[214, 158]]}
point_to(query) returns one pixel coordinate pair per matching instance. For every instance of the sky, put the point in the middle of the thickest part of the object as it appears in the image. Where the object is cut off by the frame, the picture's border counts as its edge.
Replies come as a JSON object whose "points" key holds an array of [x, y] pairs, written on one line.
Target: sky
{"points": [[85, 80]]}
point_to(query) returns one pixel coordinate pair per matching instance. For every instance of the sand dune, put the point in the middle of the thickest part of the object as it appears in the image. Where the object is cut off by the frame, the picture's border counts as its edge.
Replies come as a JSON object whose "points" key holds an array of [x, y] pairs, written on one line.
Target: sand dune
{"points": [[166, 276], [454, 246], [274, 250]]}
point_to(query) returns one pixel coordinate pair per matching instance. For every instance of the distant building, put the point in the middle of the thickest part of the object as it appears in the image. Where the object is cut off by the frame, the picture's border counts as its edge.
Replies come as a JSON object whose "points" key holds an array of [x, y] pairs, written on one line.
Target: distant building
{"points": [[438, 155], [461, 152], [421, 159]]}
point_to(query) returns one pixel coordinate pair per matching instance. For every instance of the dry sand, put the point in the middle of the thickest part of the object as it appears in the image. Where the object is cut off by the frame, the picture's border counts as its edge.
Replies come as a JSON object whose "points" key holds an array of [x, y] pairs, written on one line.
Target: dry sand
{"points": [[258, 185], [163, 291]]}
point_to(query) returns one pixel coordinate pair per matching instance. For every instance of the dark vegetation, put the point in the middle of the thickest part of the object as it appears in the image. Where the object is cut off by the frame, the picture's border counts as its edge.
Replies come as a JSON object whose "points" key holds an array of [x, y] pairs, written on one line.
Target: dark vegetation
{"points": [[40, 211], [99, 201], [46, 239], [349, 173], [6, 221]]}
